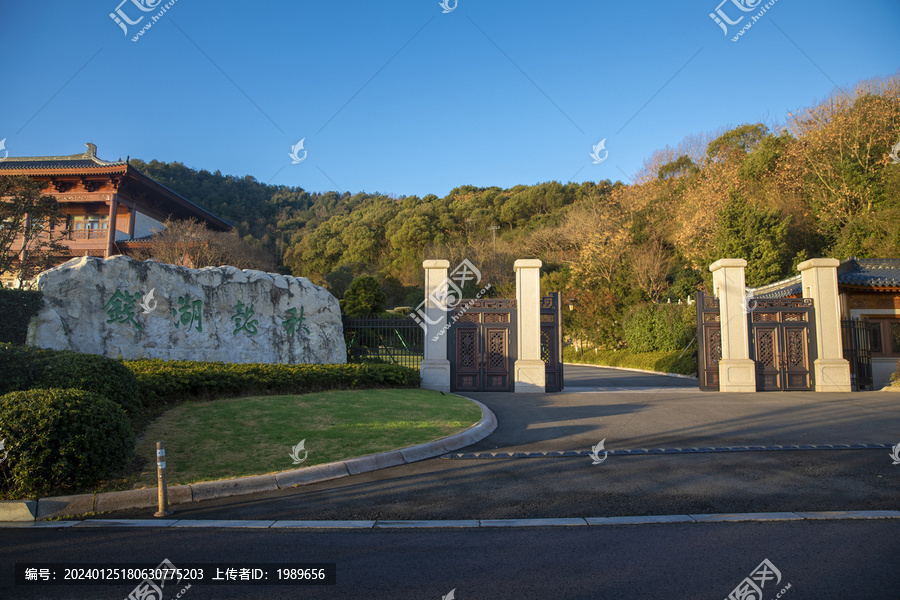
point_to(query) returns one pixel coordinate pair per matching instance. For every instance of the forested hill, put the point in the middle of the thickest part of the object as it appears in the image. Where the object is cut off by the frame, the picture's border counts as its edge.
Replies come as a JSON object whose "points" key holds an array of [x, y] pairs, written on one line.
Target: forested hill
{"points": [[823, 183], [313, 234]]}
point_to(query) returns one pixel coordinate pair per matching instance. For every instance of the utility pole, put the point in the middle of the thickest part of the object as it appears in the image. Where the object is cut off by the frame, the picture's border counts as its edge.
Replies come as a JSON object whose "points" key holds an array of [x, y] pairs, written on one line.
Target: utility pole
{"points": [[494, 229]]}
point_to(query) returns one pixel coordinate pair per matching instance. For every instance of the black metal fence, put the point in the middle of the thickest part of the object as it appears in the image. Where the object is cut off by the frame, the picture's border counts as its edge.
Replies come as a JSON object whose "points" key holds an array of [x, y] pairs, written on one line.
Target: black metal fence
{"points": [[858, 351], [394, 340]]}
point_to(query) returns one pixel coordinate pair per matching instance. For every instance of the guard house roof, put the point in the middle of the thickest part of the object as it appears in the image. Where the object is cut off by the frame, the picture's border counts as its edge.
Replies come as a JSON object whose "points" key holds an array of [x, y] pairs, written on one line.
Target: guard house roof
{"points": [[129, 181], [875, 274]]}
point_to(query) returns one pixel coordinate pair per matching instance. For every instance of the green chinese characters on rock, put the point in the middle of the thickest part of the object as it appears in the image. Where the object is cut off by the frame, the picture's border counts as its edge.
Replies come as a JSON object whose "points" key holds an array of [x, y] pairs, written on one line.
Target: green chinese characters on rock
{"points": [[294, 322], [189, 313], [121, 308], [244, 319]]}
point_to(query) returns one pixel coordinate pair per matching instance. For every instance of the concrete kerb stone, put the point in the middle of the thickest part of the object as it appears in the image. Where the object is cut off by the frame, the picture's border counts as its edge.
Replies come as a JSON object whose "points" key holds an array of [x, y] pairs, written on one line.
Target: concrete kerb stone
{"points": [[59, 506], [145, 498], [18, 510], [225, 488], [309, 475], [373, 462]]}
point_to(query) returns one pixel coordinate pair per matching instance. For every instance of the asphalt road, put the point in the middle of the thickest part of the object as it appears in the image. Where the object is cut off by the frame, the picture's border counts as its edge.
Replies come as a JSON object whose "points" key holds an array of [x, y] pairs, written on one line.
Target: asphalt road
{"points": [[820, 560]]}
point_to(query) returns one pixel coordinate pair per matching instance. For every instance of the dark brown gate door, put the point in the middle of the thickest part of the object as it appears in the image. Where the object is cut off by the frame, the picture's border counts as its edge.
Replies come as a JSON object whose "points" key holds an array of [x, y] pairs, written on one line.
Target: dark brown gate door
{"points": [[782, 344], [709, 341], [481, 342], [551, 342]]}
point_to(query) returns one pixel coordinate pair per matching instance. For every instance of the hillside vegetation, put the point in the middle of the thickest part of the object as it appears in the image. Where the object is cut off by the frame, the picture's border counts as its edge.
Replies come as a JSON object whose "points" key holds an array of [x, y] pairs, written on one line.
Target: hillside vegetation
{"points": [[821, 184]]}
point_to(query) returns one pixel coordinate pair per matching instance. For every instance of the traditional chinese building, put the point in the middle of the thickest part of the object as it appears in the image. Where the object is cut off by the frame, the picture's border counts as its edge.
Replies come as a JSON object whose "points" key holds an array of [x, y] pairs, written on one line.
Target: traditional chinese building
{"points": [[869, 295], [108, 206]]}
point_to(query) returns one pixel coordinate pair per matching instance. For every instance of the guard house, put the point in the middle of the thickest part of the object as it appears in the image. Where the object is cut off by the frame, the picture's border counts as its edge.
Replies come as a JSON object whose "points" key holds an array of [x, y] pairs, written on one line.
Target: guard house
{"points": [[869, 301], [107, 205]]}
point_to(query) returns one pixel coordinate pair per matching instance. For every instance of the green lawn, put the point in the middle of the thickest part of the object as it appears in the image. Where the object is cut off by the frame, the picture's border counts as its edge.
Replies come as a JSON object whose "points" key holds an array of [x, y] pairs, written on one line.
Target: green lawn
{"points": [[252, 436]]}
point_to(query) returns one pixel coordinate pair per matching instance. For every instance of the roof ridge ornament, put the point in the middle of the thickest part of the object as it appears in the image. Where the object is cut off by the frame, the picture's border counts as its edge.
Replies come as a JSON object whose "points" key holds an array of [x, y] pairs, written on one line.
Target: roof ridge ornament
{"points": [[91, 150]]}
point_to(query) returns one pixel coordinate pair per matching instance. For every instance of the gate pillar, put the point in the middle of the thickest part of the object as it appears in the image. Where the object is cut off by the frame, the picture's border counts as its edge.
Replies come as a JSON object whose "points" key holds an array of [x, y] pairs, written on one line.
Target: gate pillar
{"points": [[530, 370], [818, 277], [435, 368], [737, 373]]}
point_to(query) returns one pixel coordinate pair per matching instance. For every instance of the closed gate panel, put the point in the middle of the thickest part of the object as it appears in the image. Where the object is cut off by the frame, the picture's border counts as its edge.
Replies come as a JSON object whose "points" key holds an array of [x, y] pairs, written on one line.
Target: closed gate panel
{"points": [[481, 346], [783, 344]]}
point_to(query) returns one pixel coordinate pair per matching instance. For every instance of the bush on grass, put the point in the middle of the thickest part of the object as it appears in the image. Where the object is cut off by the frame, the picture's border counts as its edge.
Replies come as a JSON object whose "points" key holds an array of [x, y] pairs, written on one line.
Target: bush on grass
{"points": [[35, 368], [60, 440], [163, 381]]}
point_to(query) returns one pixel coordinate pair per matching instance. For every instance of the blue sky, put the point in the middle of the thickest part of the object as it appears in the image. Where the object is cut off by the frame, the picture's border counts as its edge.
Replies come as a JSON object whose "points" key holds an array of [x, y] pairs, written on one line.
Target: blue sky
{"points": [[401, 98]]}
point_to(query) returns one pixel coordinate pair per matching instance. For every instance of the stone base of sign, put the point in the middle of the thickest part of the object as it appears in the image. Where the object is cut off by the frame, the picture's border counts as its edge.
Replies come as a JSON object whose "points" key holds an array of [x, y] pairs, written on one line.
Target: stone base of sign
{"points": [[737, 375], [832, 375], [435, 374], [529, 376]]}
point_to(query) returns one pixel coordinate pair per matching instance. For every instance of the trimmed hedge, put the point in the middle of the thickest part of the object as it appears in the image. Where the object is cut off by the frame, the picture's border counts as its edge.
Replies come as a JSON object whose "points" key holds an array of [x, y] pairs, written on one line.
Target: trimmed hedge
{"points": [[663, 362], [163, 381], [26, 368], [17, 308], [59, 440]]}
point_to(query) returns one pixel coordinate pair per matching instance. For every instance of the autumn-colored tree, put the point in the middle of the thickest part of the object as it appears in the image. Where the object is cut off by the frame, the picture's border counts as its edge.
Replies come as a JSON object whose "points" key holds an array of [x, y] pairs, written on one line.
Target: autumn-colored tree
{"points": [[190, 243], [28, 243]]}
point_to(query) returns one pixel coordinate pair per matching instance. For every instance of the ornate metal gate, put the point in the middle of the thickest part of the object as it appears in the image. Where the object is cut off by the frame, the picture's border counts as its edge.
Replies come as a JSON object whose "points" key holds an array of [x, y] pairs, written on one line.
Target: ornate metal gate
{"points": [[551, 342], [709, 342], [858, 351], [482, 345], [782, 343]]}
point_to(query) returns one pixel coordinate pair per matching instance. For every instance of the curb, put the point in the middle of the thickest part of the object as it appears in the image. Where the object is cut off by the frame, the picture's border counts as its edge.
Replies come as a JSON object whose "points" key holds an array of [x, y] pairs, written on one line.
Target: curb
{"points": [[836, 515], [58, 506], [678, 375]]}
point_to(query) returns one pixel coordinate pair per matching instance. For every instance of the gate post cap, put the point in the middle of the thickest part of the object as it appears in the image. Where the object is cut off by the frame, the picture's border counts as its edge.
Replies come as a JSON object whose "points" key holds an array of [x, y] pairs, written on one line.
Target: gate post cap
{"points": [[527, 263], [727, 262], [818, 262], [436, 264]]}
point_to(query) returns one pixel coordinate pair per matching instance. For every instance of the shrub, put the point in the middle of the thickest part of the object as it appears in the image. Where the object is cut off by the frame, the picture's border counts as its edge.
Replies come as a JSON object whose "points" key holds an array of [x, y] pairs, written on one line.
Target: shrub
{"points": [[363, 297], [17, 308], [660, 327], [163, 381], [60, 439], [19, 365], [30, 368]]}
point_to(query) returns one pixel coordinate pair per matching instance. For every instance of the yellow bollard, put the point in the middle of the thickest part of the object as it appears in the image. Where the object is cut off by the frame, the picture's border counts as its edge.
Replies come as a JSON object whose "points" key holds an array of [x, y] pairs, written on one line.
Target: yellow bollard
{"points": [[161, 477]]}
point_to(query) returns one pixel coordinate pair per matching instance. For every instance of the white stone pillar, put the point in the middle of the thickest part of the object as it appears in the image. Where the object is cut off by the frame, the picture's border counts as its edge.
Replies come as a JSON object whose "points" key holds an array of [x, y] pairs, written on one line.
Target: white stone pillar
{"points": [[737, 373], [435, 368], [529, 368], [818, 277]]}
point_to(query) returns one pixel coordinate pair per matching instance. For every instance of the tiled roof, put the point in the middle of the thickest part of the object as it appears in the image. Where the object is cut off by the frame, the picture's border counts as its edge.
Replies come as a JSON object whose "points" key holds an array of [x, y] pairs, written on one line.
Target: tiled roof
{"points": [[860, 272], [85, 160], [780, 289], [870, 272]]}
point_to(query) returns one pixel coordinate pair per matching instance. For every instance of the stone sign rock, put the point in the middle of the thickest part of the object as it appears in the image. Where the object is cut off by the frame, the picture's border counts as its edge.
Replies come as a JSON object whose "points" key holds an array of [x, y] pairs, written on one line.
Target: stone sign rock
{"points": [[133, 309]]}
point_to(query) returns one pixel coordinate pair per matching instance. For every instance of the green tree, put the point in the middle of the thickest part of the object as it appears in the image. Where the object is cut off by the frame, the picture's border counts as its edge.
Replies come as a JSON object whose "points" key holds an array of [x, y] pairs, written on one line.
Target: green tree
{"points": [[363, 297], [758, 235]]}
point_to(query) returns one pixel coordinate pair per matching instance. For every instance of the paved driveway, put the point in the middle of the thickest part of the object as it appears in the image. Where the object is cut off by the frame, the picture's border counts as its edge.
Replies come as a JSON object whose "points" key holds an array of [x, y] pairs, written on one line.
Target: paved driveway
{"points": [[589, 377], [640, 415]]}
